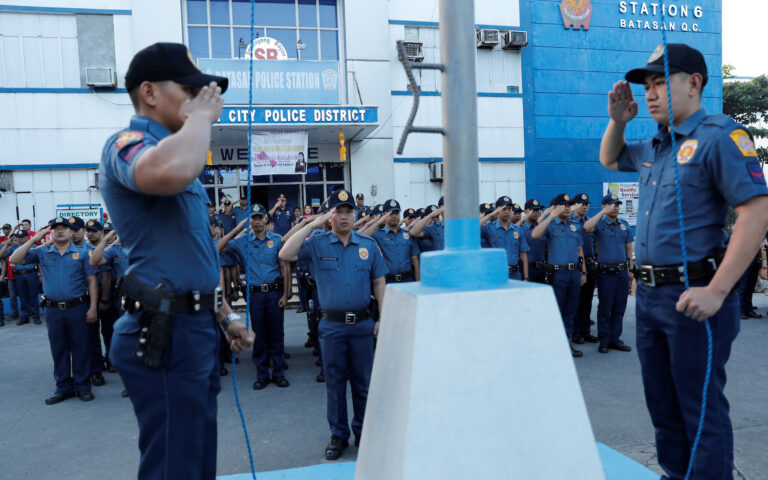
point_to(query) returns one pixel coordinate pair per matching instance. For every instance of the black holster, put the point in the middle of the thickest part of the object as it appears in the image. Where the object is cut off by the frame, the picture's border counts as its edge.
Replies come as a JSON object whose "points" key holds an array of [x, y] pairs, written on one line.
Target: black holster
{"points": [[155, 317]]}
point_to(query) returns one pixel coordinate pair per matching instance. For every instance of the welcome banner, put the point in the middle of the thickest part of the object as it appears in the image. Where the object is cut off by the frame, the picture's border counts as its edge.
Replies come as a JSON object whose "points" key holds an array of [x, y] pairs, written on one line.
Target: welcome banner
{"points": [[279, 153]]}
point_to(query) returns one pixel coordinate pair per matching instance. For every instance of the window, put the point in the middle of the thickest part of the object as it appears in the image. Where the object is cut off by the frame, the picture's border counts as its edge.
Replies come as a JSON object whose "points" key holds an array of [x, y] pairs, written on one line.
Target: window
{"points": [[215, 28], [38, 51]]}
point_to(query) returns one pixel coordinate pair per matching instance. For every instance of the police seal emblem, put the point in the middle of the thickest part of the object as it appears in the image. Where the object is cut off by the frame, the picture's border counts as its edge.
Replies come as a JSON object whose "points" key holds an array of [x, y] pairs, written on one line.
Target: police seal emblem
{"points": [[363, 253], [623, 227], [744, 142], [75, 256], [270, 244], [573, 228], [343, 196], [686, 152], [72, 220]]}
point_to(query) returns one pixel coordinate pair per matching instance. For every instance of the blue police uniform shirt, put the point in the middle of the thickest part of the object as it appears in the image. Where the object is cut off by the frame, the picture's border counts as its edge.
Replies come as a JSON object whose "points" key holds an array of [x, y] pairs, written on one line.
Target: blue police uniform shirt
{"points": [[264, 263], [537, 247], [718, 168], [99, 269], [116, 259], [359, 210], [237, 215], [398, 248], [562, 239], [588, 239], [493, 235], [611, 239], [166, 238], [19, 268], [228, 222], [65, 276], [343, 274], [282, 220], [435, 233]]}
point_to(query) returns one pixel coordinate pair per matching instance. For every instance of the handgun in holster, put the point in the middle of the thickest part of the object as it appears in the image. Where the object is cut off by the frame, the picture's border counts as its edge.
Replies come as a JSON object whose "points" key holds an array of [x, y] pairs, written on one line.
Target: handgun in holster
{"points": [[155, 317]]}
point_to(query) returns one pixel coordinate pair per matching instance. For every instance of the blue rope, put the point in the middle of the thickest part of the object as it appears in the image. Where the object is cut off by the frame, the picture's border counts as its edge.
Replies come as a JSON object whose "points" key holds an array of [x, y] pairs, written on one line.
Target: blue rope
{"points": [[678, 190], [248, 246]]}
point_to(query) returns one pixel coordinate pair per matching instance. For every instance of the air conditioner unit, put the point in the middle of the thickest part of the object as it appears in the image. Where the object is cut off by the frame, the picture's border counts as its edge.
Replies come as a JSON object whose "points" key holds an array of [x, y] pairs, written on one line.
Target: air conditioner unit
{"points": [[514, 40], [94, 183], [487, 38], [414, 51], [100, 77], [6, 181], [435, 172]]}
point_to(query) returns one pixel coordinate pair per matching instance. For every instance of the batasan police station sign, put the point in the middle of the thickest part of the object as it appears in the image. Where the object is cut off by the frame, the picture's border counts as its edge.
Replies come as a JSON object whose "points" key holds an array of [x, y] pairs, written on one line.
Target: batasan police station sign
{"points": [[637, 15]]}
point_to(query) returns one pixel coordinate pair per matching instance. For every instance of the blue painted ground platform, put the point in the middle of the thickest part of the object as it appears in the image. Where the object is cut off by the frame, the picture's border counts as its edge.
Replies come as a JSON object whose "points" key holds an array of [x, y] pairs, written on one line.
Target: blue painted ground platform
{"points": [[615, 465]]}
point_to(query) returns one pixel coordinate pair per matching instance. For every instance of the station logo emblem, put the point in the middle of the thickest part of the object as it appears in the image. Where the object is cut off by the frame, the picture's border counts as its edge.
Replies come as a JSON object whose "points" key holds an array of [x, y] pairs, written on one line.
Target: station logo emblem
{"points": [[343, 196], [686, 152], [744, 142], [72, 220], [573, 228], [270, 244], [517, 235], [406, 236], [623, 227], [266, 48], [566, 198], [363, 253], [75, 256], [576, 13]]}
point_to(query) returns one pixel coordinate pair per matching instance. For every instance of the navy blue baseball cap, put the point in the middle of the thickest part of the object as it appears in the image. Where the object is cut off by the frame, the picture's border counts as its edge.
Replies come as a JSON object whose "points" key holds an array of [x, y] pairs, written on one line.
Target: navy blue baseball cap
{"points": [[21, 233], [410, 213], [503, 201], [421, 213], [54, 222], [339, 198], [533, 204], [108, 226], [485, 208], [94, 225], [391, 205], [440, 202], [377, 210], [610, 199], [516, 208], [562, 199], [168, 61], [430, 209], [258, 209], [581, 198], [682, 58], [76, 223]]}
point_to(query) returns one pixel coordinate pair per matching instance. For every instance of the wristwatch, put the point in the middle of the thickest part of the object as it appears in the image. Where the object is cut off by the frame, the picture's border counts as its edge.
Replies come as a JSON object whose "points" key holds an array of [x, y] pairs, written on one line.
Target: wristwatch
{"points": [[229, 319]]}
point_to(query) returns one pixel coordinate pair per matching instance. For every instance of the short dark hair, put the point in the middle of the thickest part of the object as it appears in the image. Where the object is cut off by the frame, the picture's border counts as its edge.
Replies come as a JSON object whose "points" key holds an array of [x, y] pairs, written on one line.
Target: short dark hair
{"points": [[134, 94], [27, 220]]}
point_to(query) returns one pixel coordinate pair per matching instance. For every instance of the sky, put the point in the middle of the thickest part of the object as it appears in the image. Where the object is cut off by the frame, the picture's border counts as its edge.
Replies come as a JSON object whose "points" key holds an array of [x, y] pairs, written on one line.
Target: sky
{"points": [[744, 23]]}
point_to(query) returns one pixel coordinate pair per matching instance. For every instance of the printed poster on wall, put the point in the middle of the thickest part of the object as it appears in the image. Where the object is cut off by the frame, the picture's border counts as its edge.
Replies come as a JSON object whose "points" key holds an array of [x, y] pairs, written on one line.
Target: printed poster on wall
{"points": [[279, 153], [628, 193]]}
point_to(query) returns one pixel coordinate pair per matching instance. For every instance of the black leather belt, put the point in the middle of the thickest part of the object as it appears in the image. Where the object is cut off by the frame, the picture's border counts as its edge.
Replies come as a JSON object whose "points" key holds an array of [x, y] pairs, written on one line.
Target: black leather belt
{"points": [[350, 318], [399, 277], [64, 305], [307, 280], [191, 302], [513, 268], [652, 276], [24, 272], [590, 261], [541, 264], [566, 266], [268, 287], [612, 268]]}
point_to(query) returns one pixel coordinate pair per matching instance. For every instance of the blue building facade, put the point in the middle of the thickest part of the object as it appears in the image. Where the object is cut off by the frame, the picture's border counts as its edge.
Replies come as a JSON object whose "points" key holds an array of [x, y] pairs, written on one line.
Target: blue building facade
{"points": [[568, 73]]}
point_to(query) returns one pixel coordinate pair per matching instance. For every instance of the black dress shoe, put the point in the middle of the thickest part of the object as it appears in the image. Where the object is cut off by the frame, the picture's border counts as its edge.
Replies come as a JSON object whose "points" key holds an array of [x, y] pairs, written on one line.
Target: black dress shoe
{"points": [[577, 339], [357, 440], [576, 353], [320, 378], [23, 321], [316, 352], [620, 346], [124, 393], [2, 322], [335, 448], [108, 367], [744, 316], [260, 384], [285, 365], [603, 348], [590, 338], [223, 372], [287, 355], [38, 321], [85, 396], [753, 314], [309, 343], [97, 379], [281, 382], [59, 397], [591, 322], [301, 310]]}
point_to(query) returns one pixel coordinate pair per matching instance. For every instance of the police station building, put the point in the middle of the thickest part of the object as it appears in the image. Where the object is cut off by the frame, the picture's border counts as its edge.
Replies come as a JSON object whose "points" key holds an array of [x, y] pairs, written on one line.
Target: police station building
{"points": [[330, 68]]}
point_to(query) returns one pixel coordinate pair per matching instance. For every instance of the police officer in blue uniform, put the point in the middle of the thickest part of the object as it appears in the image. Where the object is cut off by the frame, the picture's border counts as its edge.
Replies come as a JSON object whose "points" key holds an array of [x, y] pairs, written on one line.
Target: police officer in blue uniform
{"points": [[27, 282], [582, 324], [282, 216], [718, 167], [93, 234], [615, 242], [237, 212], [502, 233], [360, 206], [70, 300], [270, 286], [348, 267], [562, 234], [165, 346], [399, 248], [537, 248], [77, 225], [431, 228]]}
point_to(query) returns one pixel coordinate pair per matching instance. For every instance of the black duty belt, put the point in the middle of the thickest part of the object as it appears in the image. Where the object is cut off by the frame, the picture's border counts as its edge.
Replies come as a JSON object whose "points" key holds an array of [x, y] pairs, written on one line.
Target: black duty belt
{"points": [[190, 302], [24, 272], [399, 277], [307, 280], [566, 266], [590, 261], [541, 264], [513, 268], [612, 268], [267, 287], [350, 318], [63, 305], [652, 276]]}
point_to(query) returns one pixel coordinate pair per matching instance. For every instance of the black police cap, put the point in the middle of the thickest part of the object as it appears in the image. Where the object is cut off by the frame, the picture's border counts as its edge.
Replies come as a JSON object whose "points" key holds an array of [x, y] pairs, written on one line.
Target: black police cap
{"points": [[422, 212], [94, 225], [562, 199], [258, 209], [108, 227], [533, 204], [682, 58], [430, 209], [503, 201], [339, 198], [581, 198], [54, 222], [21, 233], [410, 213], [391, 205], [76, 223], [611, 199], [168, 61], [7, 226], [516, 208], [440, 202], [485, 208]]}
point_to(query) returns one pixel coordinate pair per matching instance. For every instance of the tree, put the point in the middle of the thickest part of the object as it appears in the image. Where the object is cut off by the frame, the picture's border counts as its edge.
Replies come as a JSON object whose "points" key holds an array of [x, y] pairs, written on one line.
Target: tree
{"points": [[747, 103]]}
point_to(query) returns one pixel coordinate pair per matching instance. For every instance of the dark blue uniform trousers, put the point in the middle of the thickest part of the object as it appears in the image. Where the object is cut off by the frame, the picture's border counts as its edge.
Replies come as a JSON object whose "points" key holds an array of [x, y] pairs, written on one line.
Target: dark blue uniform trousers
{"points": [[612, 291], [538, 275], [347, 353], [567, 288], [268, 326], [581, 325], [673, 357], [175, 404], [13, 297], [27, 288], [68, 336], [94, 340]]}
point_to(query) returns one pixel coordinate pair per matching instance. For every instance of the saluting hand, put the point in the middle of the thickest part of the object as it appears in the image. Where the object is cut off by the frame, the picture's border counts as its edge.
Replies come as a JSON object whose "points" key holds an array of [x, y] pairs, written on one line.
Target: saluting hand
{"points": [[242, 223], [111, 236], [558, 210], [208, 103], [40, 233], [621, 104], [321, 219]]}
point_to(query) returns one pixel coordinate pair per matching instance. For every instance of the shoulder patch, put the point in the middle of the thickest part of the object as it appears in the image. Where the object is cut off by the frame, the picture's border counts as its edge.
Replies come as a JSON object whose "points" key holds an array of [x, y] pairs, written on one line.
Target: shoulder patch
{"points": [[744, 142], [128, 138], [755, 173]]}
